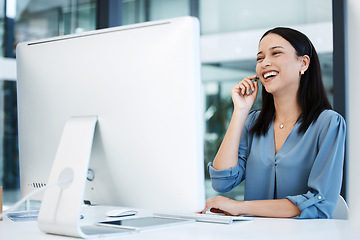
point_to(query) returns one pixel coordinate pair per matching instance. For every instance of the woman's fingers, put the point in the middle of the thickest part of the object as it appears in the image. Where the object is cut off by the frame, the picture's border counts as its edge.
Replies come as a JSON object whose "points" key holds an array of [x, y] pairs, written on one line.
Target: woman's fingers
{"points": [[247, 86], [218, 205], [216, 210], [209, 204], [245, 92]]}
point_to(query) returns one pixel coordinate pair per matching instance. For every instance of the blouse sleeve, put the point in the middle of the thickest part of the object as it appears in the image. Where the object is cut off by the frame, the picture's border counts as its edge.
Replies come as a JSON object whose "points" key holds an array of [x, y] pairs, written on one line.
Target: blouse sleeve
{"points": [[324, 182], [227, 179]]}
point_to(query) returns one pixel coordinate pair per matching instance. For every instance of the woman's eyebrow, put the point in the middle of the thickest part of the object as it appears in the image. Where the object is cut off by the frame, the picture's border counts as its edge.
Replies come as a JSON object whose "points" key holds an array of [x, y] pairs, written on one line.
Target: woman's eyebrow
{"points": [[274, 47]]}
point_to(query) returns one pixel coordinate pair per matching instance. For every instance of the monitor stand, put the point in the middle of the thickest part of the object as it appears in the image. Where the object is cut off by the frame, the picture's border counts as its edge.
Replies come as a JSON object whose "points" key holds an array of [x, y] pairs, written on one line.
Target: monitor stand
{"points": [[61, 205]]}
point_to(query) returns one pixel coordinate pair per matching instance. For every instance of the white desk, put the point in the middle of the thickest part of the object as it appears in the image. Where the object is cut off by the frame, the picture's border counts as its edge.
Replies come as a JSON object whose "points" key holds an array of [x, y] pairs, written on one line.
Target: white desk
{"points": [[260, 228]]}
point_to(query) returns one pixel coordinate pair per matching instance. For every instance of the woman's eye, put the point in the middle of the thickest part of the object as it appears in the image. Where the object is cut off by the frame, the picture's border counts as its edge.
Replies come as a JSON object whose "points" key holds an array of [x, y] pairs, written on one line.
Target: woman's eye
{"points": [[259, 59], [276, 53]]}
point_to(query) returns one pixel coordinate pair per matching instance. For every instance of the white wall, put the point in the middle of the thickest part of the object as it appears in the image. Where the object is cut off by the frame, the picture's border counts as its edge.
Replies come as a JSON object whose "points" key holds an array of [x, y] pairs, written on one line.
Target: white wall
{"points": [[243, 45], [353, 101], [222, 16], [7, 69]]}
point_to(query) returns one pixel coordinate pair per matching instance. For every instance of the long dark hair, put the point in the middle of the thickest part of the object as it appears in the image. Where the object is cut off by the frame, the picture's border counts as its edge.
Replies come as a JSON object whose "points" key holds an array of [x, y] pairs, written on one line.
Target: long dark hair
{"points": [[311, 94]]}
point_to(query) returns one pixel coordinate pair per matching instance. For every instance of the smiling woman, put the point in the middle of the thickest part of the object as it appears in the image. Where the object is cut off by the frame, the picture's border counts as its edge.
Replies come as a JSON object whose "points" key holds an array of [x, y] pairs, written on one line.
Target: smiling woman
{"points": [[287, 151]]}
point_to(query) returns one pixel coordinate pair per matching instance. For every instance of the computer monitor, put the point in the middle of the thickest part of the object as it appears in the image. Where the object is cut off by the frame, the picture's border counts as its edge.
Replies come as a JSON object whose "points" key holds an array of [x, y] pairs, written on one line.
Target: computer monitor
{"points": [[142, 81]]}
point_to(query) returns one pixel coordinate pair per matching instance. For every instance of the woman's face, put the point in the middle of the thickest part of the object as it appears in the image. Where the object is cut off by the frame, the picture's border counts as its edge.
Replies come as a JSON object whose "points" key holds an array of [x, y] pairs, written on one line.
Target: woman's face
{"points": [[278, 65]]}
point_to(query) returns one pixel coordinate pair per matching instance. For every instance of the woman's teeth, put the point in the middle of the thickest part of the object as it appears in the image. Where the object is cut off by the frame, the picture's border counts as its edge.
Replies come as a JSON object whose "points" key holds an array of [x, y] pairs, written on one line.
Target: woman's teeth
{"points": [[270, 74]]}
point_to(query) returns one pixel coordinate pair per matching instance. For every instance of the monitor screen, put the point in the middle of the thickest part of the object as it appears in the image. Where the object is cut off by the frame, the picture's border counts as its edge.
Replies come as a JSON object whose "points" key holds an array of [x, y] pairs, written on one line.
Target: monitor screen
{"points": [[142, 81]]}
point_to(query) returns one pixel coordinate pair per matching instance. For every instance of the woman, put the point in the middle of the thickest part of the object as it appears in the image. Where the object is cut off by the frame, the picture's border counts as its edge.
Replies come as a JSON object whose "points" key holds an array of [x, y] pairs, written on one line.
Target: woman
{"points": [[290, 153]]}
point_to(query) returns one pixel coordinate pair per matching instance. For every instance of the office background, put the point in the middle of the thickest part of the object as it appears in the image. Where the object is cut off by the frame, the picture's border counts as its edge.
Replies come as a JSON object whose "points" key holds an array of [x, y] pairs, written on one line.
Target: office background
{"points": [[230, 30]]}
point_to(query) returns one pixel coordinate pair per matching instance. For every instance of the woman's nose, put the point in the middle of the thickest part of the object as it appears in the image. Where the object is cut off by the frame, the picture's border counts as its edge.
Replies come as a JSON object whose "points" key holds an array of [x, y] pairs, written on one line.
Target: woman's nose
{"points": [[265, 63]]}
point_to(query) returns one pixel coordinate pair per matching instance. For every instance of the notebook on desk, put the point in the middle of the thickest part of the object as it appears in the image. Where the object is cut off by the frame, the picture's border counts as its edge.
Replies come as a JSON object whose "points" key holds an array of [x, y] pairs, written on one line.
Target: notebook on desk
{"points": [[208, 217]]}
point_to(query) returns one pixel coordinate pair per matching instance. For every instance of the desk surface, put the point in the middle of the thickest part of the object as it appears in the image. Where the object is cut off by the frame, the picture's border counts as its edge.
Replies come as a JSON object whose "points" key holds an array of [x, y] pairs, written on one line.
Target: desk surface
{"points": [[259, 228]]}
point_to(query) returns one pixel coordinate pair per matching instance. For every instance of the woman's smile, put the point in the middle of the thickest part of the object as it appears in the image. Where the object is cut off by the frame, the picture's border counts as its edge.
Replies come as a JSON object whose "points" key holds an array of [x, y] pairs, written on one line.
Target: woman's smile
{"points": [[270, 75]]}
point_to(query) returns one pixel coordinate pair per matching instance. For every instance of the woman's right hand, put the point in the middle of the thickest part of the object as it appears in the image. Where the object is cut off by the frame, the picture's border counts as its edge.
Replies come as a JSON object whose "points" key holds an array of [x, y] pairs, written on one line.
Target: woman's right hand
{"points": [[244, 93], [223, 205]]}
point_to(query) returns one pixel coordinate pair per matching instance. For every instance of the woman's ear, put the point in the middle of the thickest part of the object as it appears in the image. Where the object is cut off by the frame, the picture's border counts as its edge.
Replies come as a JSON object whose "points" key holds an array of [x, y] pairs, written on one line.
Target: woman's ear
{"points": [[305, 62]]}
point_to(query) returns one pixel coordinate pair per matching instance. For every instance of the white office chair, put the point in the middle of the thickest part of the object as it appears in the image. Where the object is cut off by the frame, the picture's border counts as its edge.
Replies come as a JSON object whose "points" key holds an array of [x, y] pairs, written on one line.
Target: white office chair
{"points": [[341, 210]]}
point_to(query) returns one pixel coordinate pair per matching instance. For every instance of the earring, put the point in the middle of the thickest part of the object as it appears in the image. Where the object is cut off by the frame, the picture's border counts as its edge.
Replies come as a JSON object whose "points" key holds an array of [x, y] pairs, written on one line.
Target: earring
{"points": [[302, 72]]}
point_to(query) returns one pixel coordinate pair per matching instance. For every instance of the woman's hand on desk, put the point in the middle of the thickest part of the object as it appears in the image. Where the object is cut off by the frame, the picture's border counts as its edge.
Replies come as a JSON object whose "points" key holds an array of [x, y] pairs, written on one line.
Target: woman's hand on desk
{"points": [[279, 208], [224, 205]]}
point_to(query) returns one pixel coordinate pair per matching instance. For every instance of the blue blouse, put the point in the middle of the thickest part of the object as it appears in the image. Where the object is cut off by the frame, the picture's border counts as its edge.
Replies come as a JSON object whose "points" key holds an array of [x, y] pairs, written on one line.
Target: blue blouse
{"points": [[307, 169]]}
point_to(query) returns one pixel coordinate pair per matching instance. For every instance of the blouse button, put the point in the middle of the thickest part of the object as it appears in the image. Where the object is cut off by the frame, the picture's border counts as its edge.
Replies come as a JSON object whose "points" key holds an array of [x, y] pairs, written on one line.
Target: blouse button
{"points": [[319, 197]]}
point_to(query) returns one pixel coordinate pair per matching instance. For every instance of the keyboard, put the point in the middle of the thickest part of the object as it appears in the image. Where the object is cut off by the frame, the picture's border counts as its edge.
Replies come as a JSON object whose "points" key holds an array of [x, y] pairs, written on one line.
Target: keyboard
{"points": [[208, 217]]}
